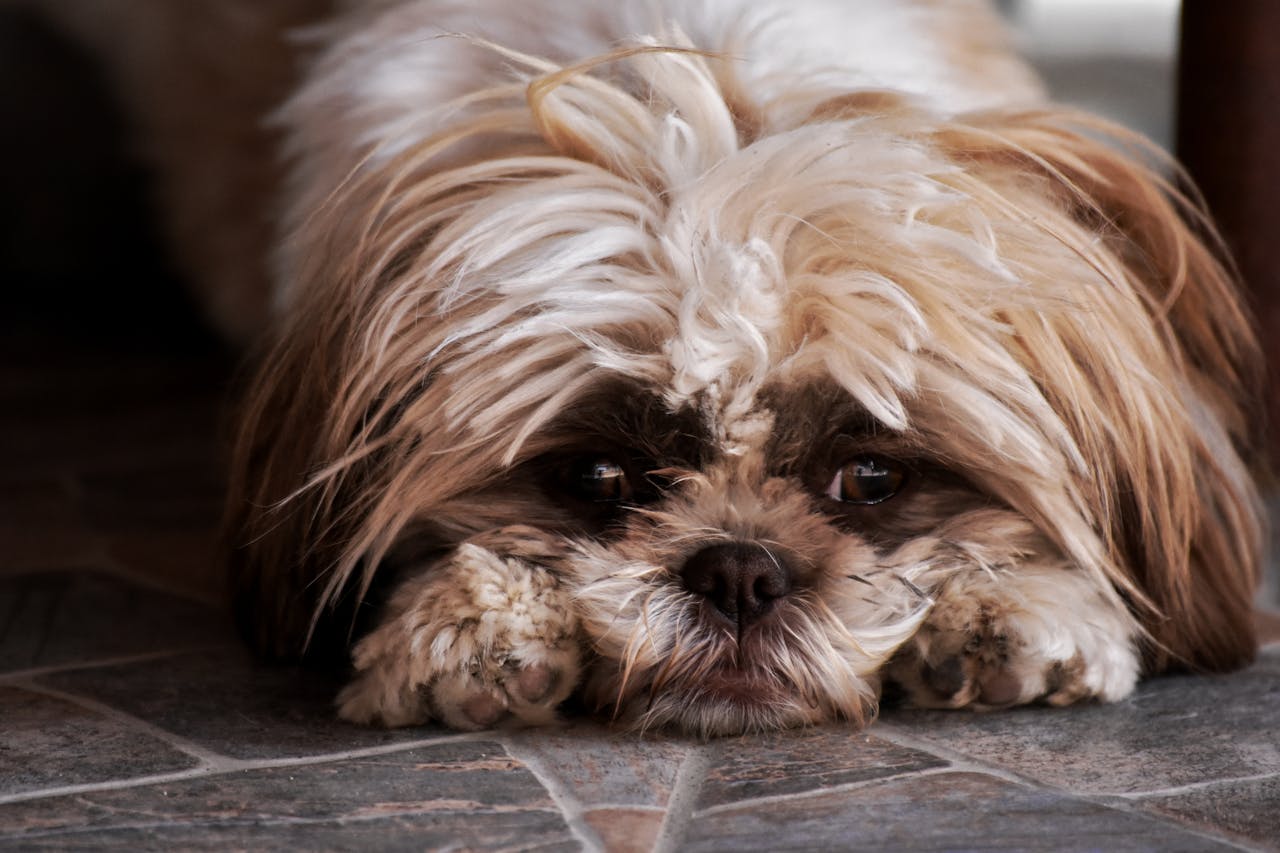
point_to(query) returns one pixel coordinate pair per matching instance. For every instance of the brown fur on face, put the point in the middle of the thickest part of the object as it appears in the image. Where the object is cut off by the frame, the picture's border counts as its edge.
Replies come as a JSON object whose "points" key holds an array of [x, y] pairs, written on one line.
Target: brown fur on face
{"points": [[1183, 520], [1091, 395], [724, 280]]}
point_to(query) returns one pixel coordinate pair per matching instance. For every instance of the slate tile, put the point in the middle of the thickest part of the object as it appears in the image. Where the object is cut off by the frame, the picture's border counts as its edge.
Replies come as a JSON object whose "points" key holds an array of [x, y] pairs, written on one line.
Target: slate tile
{"points": [[626, 830], [46, 742], [603, 767], [225, 701], [1249, 809], [49, 618], [946, 811], [1173, 731], [796, 762], [458, 795], [458, 828]]}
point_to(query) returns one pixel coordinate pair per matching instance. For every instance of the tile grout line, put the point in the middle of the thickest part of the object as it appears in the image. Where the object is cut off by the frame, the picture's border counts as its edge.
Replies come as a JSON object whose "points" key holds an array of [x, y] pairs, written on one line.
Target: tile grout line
{"points": [[226, 765], [959, 761], [216, 761], [966, 763], [821, 790], [114, 785], [272, 822], [1192, 787], [21, 675], [1218, 835], [571, 808], [963, 763], [683, 798], [363, 752], [207, 758]]}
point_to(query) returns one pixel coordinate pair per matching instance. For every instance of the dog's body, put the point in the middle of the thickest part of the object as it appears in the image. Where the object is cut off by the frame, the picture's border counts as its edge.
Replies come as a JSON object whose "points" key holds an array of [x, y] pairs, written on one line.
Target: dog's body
{"points": [[718, 361]]}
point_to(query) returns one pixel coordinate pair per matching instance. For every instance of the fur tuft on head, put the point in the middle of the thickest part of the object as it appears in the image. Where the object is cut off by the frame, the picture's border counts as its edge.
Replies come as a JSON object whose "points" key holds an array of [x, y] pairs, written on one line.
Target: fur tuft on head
{"points": [[637, 250]]}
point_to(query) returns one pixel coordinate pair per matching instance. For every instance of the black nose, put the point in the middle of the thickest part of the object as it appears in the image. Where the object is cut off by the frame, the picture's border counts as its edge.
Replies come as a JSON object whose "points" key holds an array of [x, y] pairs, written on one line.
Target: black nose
{"points": [[739, 578]]}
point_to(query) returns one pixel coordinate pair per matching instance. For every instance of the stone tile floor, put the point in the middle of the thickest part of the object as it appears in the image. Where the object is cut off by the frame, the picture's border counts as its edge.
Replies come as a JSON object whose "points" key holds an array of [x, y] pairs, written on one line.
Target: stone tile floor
{"points": [[130, 717]]}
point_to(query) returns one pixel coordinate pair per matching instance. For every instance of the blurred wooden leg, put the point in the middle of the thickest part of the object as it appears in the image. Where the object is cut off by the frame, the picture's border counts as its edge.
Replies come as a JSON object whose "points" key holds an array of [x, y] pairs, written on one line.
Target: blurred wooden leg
{"points": [[1228, 135]]}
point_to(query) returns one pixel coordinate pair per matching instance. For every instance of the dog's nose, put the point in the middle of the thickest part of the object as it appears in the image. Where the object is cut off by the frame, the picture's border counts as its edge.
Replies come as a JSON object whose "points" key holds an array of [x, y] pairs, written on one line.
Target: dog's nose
{"points": [[739, 578]]}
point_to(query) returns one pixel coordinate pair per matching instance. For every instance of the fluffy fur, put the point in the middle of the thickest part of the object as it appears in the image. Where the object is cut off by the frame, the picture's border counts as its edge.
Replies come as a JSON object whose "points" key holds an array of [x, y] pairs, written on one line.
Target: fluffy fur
{"points": [[726, 247]]}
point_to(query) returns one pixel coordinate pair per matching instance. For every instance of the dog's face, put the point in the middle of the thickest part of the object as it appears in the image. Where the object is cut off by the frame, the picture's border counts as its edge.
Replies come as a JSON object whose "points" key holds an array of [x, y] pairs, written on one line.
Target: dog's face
{"points": [[757, 582], [763, 385]]}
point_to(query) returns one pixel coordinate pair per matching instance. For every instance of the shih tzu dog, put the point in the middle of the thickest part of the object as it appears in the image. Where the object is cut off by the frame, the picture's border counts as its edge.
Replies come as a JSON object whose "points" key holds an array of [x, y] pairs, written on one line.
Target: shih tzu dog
{"points": [[715, 362]]}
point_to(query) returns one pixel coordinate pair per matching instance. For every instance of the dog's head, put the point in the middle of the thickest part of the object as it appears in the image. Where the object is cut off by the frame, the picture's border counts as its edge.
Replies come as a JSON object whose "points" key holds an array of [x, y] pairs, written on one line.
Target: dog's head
{"points": [[757, 368]]}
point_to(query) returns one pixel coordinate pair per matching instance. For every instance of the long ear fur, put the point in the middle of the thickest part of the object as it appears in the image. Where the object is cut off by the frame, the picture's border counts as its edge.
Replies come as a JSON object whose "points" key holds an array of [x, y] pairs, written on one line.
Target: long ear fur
{"points": [[351, 414], [361, 422], [1184, 518], [278, 542]]}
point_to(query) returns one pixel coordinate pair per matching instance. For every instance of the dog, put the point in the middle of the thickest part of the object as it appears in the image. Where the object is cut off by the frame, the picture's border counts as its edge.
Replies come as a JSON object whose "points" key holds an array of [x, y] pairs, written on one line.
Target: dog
{"points": [[717, 364]]}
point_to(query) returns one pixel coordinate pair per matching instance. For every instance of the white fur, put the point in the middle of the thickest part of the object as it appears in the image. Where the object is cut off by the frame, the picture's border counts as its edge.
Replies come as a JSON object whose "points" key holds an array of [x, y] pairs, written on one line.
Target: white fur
{"points": [[744, 242], [399, 72], [482, 639], [497, 211], [1022, 623]]}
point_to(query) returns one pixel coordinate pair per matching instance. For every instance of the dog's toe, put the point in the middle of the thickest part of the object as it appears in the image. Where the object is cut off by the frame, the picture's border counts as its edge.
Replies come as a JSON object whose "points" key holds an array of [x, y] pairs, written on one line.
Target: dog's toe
{"points": [[999, 688], [484, 710], [535, 683], [947, 678], [956, 667], [463, 701], [485, 640], [985, 645], [488, 695]]}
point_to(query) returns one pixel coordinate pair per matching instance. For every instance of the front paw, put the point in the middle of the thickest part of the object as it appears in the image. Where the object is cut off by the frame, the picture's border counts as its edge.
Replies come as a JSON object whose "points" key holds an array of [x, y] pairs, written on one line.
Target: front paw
{"points": [[484, 639], [992, 641]]}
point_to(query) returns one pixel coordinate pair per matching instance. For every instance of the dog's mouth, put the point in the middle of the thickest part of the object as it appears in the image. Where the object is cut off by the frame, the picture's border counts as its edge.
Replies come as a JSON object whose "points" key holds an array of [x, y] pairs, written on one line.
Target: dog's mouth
{"points": [[730, 685], [668, 655], [725, 700], [734, 672], [745, 688]]}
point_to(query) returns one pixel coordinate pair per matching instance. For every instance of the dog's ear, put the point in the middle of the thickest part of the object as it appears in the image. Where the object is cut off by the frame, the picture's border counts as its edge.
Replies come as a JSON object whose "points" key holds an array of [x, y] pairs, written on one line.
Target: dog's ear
{"points": [[1174, 490], [276, 530]]}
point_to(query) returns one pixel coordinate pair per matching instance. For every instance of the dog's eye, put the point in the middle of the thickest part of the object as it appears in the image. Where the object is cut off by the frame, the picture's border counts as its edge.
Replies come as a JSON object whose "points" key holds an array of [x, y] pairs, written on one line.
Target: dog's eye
{"points": [[600, 480], [867, 480]]}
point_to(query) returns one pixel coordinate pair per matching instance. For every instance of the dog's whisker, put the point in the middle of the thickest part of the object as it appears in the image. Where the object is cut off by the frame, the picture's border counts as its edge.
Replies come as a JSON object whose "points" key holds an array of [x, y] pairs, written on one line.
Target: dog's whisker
{"points": [[917, 591], [760, 388]]}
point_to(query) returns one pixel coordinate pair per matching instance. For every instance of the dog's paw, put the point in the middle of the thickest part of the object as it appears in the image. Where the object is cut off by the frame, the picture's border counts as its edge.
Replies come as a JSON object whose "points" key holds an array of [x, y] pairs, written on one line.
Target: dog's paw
{"points": [[485, 639], [992, 641]]}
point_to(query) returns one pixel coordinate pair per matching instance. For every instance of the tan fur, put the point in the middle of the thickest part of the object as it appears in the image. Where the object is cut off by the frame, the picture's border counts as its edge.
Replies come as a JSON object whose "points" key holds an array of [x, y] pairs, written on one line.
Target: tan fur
{"points": [[492, 634], [744, 280]]}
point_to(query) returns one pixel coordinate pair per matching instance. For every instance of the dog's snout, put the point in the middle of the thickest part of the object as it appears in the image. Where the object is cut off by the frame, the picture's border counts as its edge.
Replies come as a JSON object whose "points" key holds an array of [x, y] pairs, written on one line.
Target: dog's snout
{"points": [[741, 579]]}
